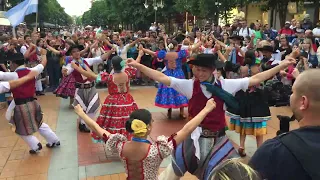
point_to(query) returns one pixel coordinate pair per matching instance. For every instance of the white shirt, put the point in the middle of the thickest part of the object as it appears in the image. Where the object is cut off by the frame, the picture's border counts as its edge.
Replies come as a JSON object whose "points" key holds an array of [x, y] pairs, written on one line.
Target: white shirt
{"points": [[97, 52], [4, 87], [90, 61], [23, 49], [244, 32], [276, 56], [8, 76], [185, 86], [316, 31], [122, 52]]}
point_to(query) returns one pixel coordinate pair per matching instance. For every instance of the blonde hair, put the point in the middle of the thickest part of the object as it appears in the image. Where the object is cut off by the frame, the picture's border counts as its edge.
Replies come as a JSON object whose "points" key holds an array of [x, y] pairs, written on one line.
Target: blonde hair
{"points": [[234, 169]]}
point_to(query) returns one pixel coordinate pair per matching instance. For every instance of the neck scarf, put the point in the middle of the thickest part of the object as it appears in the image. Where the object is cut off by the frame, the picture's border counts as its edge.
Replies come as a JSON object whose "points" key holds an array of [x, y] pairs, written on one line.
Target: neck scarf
{"points": [[229, 99]]}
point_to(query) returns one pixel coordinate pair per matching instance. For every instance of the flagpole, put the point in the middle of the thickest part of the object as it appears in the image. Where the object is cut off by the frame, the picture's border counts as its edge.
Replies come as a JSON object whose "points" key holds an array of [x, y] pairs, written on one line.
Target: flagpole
{"points": [[14, 32], [37, 17]]}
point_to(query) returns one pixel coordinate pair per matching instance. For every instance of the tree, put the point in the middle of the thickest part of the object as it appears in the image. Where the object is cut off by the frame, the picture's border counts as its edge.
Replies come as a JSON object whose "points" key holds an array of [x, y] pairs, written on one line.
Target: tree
{"points": [[48, 11]]}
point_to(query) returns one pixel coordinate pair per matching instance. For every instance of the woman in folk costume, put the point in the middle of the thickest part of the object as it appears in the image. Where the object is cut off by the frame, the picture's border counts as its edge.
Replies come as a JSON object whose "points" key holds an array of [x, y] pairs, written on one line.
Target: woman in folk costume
{"points": [[67, 87], [119, 104], [198, 153], [166, 96], [86, 94], [142, 158], [254, 110], [24, 112]]}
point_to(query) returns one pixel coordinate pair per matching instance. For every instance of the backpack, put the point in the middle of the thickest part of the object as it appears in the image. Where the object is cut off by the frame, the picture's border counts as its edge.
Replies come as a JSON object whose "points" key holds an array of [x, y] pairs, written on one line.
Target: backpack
{"points": [[306, 156]]}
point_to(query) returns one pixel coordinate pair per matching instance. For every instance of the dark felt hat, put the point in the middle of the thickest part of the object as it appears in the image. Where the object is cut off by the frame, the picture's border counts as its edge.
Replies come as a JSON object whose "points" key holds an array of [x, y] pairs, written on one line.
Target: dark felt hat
{"points": [[266, 48], [205, 60], [117, 63], [3, 56], [80, 47], [14, 57], [237, 37]]}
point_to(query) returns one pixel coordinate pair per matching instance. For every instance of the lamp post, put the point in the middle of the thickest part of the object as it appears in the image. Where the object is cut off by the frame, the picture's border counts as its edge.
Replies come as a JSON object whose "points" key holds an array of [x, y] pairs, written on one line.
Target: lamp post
{"points": [[216, 14], [155, 5]]}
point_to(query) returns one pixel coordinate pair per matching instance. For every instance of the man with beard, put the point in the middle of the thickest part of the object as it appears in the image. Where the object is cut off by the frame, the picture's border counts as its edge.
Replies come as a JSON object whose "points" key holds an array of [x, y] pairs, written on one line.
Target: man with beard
{"points": [[295, 155]]}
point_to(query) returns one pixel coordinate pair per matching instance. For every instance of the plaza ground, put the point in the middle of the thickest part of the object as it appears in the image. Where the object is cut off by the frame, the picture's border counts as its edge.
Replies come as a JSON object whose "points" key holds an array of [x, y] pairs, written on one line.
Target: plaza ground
{"points": [[78, 158]]}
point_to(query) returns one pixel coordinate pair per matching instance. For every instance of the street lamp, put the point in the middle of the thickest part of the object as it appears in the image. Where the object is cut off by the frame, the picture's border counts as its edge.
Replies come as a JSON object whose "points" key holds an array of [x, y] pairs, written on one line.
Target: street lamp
{"points": [[155, 5], [218, 4]]}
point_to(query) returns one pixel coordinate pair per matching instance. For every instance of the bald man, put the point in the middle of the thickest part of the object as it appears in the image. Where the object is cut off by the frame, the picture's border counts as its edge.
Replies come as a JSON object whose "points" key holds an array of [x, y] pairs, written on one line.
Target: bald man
{"points": [[295, 155]]}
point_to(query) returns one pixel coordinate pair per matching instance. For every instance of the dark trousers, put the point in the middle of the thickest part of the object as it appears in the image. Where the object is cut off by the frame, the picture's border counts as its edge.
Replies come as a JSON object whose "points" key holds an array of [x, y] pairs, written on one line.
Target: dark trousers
{"points": [[54, 72]]}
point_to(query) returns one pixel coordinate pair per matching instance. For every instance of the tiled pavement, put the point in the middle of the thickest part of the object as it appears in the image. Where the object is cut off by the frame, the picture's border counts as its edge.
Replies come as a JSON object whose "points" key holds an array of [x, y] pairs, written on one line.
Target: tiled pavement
{"points": [[78, 158]]}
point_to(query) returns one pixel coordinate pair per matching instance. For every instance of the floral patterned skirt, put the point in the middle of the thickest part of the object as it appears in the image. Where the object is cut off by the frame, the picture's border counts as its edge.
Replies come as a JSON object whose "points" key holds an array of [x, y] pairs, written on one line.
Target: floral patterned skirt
{"points": [[66, 88], [114, 113], [168, 97]]}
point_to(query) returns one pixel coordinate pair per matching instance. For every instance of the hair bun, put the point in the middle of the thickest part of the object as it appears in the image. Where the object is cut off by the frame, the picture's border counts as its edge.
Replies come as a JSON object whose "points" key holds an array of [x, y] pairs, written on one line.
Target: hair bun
{"points": [[128, 125], [170, 46]]}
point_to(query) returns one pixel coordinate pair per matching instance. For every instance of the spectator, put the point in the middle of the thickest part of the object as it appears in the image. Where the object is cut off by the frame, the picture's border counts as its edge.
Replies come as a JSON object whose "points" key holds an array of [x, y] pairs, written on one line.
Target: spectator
{"points": [[286, 30], [294, 155], [245, 30], [306, 23]]}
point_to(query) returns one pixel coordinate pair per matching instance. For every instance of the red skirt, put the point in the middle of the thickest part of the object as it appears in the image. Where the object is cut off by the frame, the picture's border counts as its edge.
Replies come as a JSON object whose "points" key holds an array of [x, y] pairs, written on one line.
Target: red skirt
{"points": [[114, 113], [66, 88]]}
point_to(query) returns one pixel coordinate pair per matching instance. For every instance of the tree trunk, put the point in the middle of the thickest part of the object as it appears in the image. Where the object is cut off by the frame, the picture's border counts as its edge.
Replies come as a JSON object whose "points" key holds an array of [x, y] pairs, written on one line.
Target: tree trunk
{"points": [[271, 17], [282, 9], [316, 11], [226, 17]]}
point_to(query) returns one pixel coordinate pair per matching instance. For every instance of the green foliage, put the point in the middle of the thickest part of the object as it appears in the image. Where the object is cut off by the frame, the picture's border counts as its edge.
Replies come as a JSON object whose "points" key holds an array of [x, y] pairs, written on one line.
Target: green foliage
{"points": [[49, 11], [133, 12]]}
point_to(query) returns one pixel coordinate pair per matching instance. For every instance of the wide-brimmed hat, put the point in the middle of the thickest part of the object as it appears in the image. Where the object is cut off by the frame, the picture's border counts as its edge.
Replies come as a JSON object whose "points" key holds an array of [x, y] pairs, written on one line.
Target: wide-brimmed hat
{"points": [[14, 57], [3, 56], [204, 60], [80, 47], [266, 48], [117, 64], [237, 37]]}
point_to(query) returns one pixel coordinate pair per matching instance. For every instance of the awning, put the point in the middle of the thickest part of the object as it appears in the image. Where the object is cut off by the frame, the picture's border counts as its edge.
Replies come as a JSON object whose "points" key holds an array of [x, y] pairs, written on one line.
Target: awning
{"points": [[3, 20]]}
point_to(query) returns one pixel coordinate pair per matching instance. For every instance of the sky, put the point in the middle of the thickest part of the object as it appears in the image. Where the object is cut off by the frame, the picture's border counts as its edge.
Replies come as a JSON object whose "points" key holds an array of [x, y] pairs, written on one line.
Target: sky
{"points": [[75, 7]]}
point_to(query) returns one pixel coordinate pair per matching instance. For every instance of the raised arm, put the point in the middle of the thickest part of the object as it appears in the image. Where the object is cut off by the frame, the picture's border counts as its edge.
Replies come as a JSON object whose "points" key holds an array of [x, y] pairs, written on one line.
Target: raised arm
{"points": [[43, 57], [53, 50], [265, 75], [108, 54], [87, 73], [90, 122], [148, 51], [7, 86], [141, 53], [153, 74], [194, 123], [29, 52]]}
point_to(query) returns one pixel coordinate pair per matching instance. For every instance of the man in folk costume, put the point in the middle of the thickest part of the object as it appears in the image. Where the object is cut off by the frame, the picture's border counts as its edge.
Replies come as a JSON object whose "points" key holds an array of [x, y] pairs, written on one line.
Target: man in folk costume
{"points": [[86, 94], [208, 145], [24, 111]]}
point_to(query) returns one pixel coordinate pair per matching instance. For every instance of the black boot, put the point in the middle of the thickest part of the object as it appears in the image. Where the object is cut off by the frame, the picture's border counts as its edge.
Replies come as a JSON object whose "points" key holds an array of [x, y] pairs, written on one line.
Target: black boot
{"points": [[36, 151], [284, 124], [53, 145], [83, 128]]}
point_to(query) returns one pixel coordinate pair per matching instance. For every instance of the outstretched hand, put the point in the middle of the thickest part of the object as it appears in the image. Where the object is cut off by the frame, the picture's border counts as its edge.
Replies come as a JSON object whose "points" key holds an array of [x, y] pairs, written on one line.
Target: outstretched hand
{"points": [[32, 74], [211, 105], [288, 61], [78, 109], [131, 62]]}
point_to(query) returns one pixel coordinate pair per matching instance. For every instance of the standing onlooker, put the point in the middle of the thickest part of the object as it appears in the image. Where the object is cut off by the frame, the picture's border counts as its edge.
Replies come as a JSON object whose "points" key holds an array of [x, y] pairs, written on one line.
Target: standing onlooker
{"points": [[286, 29], [306, 23], [295, 155], [245, 30]]}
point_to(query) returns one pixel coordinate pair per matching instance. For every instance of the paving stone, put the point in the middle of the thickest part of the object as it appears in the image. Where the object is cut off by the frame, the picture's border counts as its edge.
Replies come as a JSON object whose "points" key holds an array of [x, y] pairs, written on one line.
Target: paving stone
{"points": [[64, 174]]}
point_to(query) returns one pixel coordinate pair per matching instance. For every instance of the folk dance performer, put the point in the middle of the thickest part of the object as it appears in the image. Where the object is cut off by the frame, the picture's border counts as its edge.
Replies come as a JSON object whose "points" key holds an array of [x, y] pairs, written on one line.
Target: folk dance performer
{"points": [[86, 94], [24, 112], [208, 145]]}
